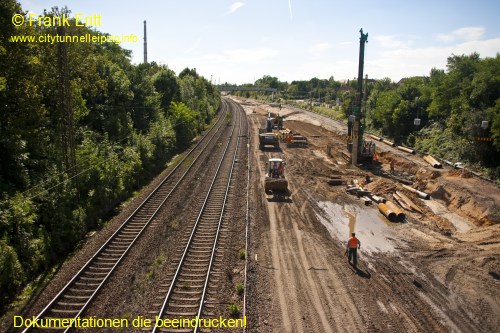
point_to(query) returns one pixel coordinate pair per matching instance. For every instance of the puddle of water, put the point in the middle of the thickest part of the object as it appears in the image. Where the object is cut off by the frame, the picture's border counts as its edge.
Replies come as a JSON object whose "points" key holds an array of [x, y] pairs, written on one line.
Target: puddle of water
{"points": [[370, 229]]}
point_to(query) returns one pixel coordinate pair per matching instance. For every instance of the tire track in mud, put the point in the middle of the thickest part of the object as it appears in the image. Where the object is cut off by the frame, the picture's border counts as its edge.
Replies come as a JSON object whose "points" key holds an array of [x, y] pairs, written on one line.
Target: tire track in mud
{"points": [[311, 293], [343, 311], [414, 311]]}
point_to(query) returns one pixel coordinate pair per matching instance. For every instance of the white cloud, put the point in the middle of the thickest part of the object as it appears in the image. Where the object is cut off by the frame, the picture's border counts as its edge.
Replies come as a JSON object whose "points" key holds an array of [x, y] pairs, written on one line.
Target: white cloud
{"points": [[390, 42], [463, 34], [235, 6], [404, 62]]}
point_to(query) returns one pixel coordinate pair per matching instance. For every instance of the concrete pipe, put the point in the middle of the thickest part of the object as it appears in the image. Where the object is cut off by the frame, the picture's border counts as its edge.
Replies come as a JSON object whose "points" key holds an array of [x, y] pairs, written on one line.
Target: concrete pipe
{"points": [[375, 137], [408, 150], [432, 161], [391, 216], [421, 194], [389, 142], [400, 215]]}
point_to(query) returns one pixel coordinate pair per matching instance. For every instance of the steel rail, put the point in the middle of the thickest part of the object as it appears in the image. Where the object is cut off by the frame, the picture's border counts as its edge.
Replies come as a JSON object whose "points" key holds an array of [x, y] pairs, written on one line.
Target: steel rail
{"points": [[125, 223], [205, 287], [193, 231]]}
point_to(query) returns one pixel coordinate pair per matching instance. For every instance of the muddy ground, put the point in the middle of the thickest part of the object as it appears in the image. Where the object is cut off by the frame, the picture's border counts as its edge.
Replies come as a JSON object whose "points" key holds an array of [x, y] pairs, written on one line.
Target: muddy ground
{"points": [[438, 271]]}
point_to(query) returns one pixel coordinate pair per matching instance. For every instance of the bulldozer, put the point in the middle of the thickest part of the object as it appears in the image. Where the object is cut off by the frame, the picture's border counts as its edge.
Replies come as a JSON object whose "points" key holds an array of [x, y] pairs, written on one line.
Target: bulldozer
{"points": [[275, 182]]}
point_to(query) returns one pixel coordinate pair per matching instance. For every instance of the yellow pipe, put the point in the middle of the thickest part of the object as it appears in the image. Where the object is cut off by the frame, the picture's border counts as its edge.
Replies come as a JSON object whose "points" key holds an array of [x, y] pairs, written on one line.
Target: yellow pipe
{"points": [[432, 161], [390, 143], [408, 150], [391, 216], [399, 213]]}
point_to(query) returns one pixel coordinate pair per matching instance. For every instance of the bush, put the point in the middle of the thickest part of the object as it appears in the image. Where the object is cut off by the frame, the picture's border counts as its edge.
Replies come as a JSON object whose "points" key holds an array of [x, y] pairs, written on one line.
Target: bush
{"points": [[12, 275], [234, 310], [242, 254], [240, 288]]}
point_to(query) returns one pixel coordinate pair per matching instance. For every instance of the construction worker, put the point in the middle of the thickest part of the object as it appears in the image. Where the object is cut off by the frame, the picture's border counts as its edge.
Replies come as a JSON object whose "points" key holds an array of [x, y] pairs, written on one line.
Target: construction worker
{"points": [[353, 244], [392, 167]]}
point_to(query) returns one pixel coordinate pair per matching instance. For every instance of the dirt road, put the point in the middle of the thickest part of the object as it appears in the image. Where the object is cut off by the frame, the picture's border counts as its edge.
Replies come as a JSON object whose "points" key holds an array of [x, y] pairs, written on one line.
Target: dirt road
{"points": [[426, 275]]}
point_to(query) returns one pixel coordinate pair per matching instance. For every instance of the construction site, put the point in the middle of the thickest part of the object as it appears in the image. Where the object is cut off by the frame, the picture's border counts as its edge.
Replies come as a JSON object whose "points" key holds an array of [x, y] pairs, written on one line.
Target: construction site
{"points": [[429, 237], [274, 218]]}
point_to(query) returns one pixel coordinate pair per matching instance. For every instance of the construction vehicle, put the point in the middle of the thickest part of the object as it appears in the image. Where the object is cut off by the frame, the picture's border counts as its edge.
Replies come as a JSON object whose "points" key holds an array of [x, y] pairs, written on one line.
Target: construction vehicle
{"points": [[296, 140], [275, 182], [268, 139], [266, 135], [278, 122], [361, 150]]}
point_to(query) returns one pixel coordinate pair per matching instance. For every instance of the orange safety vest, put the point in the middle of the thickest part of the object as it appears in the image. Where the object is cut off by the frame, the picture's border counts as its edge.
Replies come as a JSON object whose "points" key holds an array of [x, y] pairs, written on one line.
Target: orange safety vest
{"points": [[353, 243]]}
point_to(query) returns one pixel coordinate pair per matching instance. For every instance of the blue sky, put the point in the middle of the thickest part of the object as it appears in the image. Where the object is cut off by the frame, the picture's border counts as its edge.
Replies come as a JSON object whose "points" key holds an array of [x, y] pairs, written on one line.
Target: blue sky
{"points": [[240, 41]]}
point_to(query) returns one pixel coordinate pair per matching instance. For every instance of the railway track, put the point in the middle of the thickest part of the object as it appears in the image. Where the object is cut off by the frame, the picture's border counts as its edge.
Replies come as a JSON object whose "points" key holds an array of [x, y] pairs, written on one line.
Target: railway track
{"points": [[82, 288], [186, 292]]}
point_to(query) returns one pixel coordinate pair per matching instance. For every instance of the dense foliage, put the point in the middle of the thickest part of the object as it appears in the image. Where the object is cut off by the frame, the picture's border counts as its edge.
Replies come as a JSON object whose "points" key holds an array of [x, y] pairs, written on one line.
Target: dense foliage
{"points": [[128, 121], [452, 107]]}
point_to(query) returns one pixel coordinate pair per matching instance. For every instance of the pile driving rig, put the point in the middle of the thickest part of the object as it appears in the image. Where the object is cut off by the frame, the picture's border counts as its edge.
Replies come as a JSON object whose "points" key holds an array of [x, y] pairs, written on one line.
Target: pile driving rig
{"points": [[361, 151]]}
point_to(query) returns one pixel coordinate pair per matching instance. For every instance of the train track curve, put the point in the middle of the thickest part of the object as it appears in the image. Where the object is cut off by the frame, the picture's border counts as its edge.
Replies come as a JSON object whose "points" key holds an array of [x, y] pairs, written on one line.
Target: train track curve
{"points": [[186, 292], [80, 291]]}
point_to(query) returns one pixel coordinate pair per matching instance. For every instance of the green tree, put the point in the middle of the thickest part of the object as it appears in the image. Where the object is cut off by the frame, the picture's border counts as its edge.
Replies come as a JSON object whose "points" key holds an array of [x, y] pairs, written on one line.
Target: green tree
{"points": [[166, 85], [184, 122]]}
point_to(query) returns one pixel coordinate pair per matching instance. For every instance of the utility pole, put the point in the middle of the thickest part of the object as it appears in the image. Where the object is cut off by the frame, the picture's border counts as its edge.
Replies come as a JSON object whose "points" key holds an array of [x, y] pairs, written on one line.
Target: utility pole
{"points": [[354, 122], [145, 44], [65, 110]]}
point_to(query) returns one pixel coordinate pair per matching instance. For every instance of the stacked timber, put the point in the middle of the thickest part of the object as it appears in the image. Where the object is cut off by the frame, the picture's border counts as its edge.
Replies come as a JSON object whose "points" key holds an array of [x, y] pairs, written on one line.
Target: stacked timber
{"points": [[401, 202], [298, 140], [401, 198]]}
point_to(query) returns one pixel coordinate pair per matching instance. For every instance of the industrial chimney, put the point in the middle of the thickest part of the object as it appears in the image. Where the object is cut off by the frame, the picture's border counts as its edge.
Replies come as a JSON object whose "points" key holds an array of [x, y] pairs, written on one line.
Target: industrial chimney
{"points": [[145, 44]]}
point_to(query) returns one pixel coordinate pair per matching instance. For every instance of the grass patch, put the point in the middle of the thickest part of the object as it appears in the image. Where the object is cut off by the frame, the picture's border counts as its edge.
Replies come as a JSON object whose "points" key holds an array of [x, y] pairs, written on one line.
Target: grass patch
{"points": [[174, 224], [187, 162], [234, 310], [243, 254], [335, 113], [240, 288]]}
